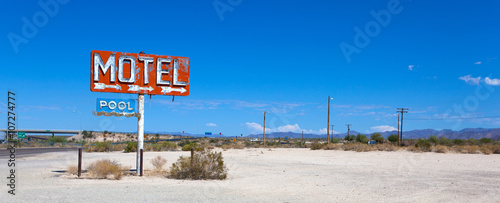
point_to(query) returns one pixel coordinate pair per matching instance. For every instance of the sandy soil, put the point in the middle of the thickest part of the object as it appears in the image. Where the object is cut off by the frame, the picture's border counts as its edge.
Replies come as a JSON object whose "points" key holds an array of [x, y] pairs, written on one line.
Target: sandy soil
{"points": [[280, 175]]}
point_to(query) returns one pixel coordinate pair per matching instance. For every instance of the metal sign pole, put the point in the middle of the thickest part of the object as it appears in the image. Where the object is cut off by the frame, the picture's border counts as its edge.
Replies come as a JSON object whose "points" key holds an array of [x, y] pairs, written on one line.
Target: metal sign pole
{"points": [[140, 133]]}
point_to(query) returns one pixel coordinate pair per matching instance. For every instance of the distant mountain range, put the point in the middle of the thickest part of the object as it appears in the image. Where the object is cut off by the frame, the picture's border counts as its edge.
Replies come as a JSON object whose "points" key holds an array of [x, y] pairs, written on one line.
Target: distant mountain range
{"points": [[476, 133]]}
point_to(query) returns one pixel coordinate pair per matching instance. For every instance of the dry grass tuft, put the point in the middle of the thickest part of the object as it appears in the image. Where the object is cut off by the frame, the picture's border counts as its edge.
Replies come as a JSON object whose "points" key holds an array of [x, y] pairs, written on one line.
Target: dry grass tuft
{"points": [[358, 147], [485, 149], [496, 149], [468, 149], [158, 162], [225, 147], [72, 170], [238, 146], [441, 149], [333, 146], [105, 169]]}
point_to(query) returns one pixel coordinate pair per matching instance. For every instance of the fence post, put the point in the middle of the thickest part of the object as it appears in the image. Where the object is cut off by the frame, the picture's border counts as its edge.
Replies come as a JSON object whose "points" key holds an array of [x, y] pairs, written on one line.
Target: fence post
{"points": [[79, 162], [142, 161], [192, 155]]}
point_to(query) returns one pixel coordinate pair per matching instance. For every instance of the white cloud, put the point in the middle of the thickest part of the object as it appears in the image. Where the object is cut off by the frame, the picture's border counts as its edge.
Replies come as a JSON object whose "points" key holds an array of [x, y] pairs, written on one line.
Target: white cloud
{"points": [[493, 81], [383, 128], [470, 80], [289, 128], [257, 128], [211, 124], [410, 67], [478, 63]]}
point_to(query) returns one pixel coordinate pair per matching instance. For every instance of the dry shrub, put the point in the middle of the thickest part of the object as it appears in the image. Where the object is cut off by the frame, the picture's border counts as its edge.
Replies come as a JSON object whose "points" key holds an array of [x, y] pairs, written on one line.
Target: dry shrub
{"points": [[468, 149], [205, 164], [390, 147], [358, 147], [72, 170], [485, 149], [118, 147], [105, 168], [384, 147], [316, 146], [363, 148], [225, 147], [496, 149], [238, 146], [333, 146], [412, 148], [441, 149], [158, 162]]}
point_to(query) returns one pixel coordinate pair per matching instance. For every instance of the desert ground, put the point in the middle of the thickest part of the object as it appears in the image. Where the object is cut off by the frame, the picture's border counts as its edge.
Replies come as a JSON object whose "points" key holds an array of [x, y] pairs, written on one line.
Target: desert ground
{"points": [[276, 175]]}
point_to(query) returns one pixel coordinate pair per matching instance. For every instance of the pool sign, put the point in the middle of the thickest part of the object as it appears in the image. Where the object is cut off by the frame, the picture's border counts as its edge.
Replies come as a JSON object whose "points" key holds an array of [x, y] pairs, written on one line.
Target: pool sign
{"points": [[116, 105], [121, 72]]}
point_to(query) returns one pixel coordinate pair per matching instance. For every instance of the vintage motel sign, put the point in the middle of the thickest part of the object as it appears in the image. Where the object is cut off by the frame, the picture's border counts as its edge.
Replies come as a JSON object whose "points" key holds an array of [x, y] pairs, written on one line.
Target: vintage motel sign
{"points": [[121, 72]]}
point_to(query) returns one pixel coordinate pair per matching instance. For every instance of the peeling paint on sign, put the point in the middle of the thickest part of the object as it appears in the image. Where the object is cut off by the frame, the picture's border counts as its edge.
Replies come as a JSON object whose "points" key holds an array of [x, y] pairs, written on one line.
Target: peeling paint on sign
{"points": [[120, 72]]}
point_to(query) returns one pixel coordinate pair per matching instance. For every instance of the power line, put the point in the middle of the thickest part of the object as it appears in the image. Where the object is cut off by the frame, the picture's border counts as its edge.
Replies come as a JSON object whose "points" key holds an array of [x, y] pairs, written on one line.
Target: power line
{"points": [[402, 111], [452, 118], [348, 129]]}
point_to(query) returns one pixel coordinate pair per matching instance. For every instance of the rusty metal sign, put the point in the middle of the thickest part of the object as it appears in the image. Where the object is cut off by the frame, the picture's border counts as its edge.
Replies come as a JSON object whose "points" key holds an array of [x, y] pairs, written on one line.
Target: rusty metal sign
{"points": [[120, 72]]}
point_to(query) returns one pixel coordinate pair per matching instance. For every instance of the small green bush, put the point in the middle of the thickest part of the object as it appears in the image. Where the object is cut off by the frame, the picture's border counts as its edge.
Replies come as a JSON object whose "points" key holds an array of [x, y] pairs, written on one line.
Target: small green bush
{"points": [[131, 147], [433, 139], [458, 142], [191, 145], [377, 137], [444, 141], [423, 145], [205, 164], [316, 146], [57, 139], [485, 140], [393, 138], [350, 137], [362, 138]]}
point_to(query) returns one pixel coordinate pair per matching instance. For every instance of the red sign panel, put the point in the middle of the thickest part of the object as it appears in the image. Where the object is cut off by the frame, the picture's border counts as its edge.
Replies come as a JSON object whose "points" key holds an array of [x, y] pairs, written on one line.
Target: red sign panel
{"points": [[139, 73]]}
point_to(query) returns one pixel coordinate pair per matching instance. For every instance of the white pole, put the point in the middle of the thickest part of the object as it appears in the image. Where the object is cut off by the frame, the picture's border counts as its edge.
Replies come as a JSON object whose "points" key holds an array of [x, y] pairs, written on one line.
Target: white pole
{"points": [[140, 132]]}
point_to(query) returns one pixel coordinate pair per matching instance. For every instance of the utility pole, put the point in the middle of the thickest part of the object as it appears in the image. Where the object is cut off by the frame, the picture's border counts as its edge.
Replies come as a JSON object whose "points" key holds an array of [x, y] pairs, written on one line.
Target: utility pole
{"points": [[302, 135], [332, 130], [328, 124], [399, 143], [265, 128], [402, 111], [348, 129]]}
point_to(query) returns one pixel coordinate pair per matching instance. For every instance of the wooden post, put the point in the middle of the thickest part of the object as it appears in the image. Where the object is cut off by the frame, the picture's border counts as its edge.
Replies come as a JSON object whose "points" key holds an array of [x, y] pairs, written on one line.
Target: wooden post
{"points": [[192, 156], [79, 162], [264, 129], [328, 123], [142, 162]]}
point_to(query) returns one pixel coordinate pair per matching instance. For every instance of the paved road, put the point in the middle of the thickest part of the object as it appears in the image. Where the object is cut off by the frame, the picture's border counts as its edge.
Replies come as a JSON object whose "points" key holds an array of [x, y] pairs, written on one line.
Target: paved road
{"points": [[24, 152]]}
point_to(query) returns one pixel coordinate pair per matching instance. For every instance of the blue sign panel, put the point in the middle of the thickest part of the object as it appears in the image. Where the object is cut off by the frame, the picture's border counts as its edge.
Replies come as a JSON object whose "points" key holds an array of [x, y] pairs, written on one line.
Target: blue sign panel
{"points": [[208, 133], [116, 105]]}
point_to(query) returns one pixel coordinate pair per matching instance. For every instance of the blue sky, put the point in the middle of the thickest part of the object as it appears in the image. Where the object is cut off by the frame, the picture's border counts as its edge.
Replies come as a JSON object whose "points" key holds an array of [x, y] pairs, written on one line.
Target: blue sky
{"points": [[439, 59]]}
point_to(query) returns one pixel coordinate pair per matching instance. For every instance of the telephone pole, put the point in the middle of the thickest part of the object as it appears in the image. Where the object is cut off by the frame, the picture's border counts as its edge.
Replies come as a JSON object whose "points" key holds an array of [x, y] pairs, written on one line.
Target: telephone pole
{"points": [[265, 128], [302, 135], [328, 124], [332, 130], [348, 129], [399, 143], [402, 111]]}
